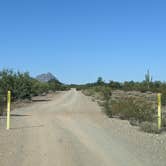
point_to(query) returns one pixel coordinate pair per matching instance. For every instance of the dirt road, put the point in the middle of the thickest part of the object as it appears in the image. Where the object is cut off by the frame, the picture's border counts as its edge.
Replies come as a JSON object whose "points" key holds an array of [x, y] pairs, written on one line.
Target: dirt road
{"points": [[71, 130]]}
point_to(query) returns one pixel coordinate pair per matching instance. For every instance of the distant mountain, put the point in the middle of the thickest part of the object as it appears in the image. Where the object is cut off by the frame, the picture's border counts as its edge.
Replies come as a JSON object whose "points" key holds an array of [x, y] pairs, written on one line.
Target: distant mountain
{"points": [[46, 77]]}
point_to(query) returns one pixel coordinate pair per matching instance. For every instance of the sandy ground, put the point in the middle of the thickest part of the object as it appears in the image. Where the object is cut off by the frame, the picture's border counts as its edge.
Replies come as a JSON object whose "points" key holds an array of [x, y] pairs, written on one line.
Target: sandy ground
{"points": [[71, 130]]}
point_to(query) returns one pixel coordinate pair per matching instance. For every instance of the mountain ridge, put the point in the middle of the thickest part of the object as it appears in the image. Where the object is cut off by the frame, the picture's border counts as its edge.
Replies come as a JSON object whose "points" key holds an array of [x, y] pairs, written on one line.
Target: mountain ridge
{"points": [[46, 77]]}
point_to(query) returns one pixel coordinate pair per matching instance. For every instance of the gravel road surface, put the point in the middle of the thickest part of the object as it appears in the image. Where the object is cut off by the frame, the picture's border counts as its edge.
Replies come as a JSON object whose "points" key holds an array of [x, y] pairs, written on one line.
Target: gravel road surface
{"points": [[71, 130]]}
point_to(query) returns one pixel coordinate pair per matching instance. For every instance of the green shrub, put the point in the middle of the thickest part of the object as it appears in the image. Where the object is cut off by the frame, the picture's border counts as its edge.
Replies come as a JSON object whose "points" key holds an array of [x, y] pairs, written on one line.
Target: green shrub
{"points": [[163, 98], [23, 86], [149, 127], [39, 88], [3, 104]]}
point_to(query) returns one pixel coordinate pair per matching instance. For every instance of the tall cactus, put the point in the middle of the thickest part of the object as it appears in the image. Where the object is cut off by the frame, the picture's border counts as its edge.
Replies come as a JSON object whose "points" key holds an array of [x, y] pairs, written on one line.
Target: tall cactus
{"points": [[148, 79]]}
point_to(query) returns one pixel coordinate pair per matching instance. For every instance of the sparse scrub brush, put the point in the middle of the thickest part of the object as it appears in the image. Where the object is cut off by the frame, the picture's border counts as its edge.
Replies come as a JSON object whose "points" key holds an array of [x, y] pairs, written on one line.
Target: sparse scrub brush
{"points": [[129, 108], [149, 127], [164, 121], [107, 108]]}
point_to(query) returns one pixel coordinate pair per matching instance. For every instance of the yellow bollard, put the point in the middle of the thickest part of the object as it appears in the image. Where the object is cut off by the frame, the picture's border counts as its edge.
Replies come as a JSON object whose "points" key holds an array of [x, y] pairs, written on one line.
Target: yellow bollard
{"points": [[8, 109], [159, 110]]}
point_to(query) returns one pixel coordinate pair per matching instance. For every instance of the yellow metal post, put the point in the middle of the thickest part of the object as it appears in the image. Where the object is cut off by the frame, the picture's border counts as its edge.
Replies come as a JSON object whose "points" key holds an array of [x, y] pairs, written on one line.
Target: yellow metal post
{"points": [[159, 110], [8, 109]]}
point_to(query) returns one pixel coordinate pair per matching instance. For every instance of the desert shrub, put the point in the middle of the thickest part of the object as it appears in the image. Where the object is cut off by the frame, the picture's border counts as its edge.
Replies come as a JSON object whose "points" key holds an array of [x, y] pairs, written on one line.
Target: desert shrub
{"points": [[163, 98], [55, 85], [106, 93], [164, 121], [137, 108], [39, 88], [23, 86], [115, 85], [103, 95], [102, 92], [149, 127], [130, 108], [107, 108], [2, 104], [18, 83], [101, 103], [88, 92], [107, 97]]}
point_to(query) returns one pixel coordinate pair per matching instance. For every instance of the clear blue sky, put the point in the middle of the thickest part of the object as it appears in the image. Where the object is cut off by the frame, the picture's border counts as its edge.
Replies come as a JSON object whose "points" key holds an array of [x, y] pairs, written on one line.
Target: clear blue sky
{"points": [[79, 40]]}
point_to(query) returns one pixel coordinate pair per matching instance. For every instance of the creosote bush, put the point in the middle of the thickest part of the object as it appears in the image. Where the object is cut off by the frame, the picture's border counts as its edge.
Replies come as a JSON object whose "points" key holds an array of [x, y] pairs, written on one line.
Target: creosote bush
{"points": [[128, 108]]}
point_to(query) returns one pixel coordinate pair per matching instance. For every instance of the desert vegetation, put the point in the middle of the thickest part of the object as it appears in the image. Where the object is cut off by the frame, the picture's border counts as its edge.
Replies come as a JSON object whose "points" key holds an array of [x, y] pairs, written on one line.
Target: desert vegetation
{"points": [[23, 86], [133, 101]]}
